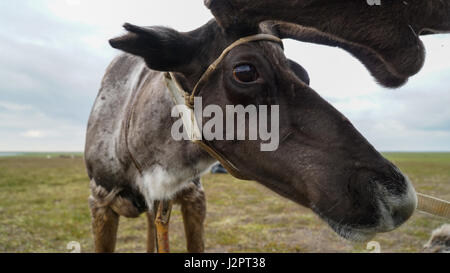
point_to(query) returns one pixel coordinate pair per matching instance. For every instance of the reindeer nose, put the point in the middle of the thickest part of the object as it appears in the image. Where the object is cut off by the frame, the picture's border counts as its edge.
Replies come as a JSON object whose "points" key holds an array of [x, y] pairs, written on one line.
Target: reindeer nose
{"points": [[403, 212], [398, 201]]}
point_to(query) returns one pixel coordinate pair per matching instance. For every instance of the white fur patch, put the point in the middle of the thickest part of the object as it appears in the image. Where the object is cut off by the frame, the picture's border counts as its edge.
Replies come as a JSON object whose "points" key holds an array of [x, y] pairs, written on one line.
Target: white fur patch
{"points": [[157, 184]]}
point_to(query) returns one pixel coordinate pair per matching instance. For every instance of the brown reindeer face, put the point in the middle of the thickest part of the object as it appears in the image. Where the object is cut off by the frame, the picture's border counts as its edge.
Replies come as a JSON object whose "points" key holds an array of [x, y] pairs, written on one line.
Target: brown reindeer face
{"points": [[321, 161]]}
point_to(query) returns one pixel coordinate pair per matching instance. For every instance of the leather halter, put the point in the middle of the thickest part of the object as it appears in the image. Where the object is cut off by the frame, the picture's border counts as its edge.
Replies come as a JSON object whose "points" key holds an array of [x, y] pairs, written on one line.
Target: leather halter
{"points": [[181, 97]]}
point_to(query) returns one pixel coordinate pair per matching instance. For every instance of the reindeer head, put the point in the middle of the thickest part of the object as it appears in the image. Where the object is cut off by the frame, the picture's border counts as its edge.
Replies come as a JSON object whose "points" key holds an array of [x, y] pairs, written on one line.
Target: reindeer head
{"points": [[322, 162]]}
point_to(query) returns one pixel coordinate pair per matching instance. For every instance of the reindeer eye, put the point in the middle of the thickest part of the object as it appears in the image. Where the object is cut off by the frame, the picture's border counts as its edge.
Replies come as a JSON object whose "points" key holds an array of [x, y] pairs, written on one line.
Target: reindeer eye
{"points": [[245, 73]]}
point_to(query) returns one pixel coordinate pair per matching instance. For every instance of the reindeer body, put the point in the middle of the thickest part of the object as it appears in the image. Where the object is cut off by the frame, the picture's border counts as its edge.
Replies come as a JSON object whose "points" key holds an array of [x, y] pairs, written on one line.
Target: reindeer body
{"points": [[171, 169]]}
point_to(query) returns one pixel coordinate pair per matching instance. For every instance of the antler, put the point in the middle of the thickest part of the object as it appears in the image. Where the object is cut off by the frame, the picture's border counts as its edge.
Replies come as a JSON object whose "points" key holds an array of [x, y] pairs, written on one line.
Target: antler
{"points": [[385, 38]]}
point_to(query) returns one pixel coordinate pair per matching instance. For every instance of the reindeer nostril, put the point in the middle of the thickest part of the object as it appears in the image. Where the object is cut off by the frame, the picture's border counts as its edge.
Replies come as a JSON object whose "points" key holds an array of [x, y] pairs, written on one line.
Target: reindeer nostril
{"points": [[395, 184], [401, 214], [399, 199]]}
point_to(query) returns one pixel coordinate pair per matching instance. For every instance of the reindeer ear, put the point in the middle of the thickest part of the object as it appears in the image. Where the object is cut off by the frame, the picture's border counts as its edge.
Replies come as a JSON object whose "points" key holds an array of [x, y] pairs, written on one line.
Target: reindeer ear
{"points": [[383, 37], [163, 49]]}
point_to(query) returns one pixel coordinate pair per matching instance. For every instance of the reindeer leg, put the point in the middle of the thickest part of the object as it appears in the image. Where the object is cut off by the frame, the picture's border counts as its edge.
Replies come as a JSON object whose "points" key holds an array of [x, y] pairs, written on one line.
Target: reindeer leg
{"points": [[162, 226], [193, 208], [105, 223], [151, 232]]}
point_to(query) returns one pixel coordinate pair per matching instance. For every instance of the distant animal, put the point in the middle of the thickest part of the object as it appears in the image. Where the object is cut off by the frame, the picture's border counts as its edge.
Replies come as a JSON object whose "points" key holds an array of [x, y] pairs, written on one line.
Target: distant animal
{"points": [[322, 162], [218, 169], [439, 241]]}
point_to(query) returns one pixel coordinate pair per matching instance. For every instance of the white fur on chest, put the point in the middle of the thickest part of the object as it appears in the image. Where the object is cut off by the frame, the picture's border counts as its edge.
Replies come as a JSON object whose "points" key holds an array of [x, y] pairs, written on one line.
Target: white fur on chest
{"points": [[157, 183]]}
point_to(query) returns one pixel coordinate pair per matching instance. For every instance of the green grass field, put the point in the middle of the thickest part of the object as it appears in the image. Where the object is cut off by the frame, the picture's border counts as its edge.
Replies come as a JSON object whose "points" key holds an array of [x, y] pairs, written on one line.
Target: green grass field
{"points": [[43, 207]]}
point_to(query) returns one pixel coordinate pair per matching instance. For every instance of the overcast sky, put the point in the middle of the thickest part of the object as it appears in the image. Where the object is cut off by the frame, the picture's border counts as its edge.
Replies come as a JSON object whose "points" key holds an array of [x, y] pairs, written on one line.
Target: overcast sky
{"points": [[54, 53]]}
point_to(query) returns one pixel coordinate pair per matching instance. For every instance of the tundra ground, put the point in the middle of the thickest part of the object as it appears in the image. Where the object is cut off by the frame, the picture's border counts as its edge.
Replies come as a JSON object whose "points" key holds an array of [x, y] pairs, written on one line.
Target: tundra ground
{"points": [[43, 207]]}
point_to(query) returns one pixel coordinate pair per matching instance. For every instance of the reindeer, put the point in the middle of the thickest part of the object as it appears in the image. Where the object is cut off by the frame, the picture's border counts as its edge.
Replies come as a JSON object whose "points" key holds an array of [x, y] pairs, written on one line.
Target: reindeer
{"points": [[322, 162], [439, 241]]}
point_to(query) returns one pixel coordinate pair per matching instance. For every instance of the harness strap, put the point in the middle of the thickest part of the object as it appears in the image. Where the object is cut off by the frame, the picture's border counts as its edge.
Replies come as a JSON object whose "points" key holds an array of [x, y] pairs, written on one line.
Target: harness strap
{"points": [[192, 128], [215, 64], [130, 114], [180, 97]]}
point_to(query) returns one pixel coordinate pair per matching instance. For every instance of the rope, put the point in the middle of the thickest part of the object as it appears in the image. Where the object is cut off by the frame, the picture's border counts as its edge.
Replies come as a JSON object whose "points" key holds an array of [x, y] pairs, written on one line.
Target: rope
{"points": [[434, 206]]}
